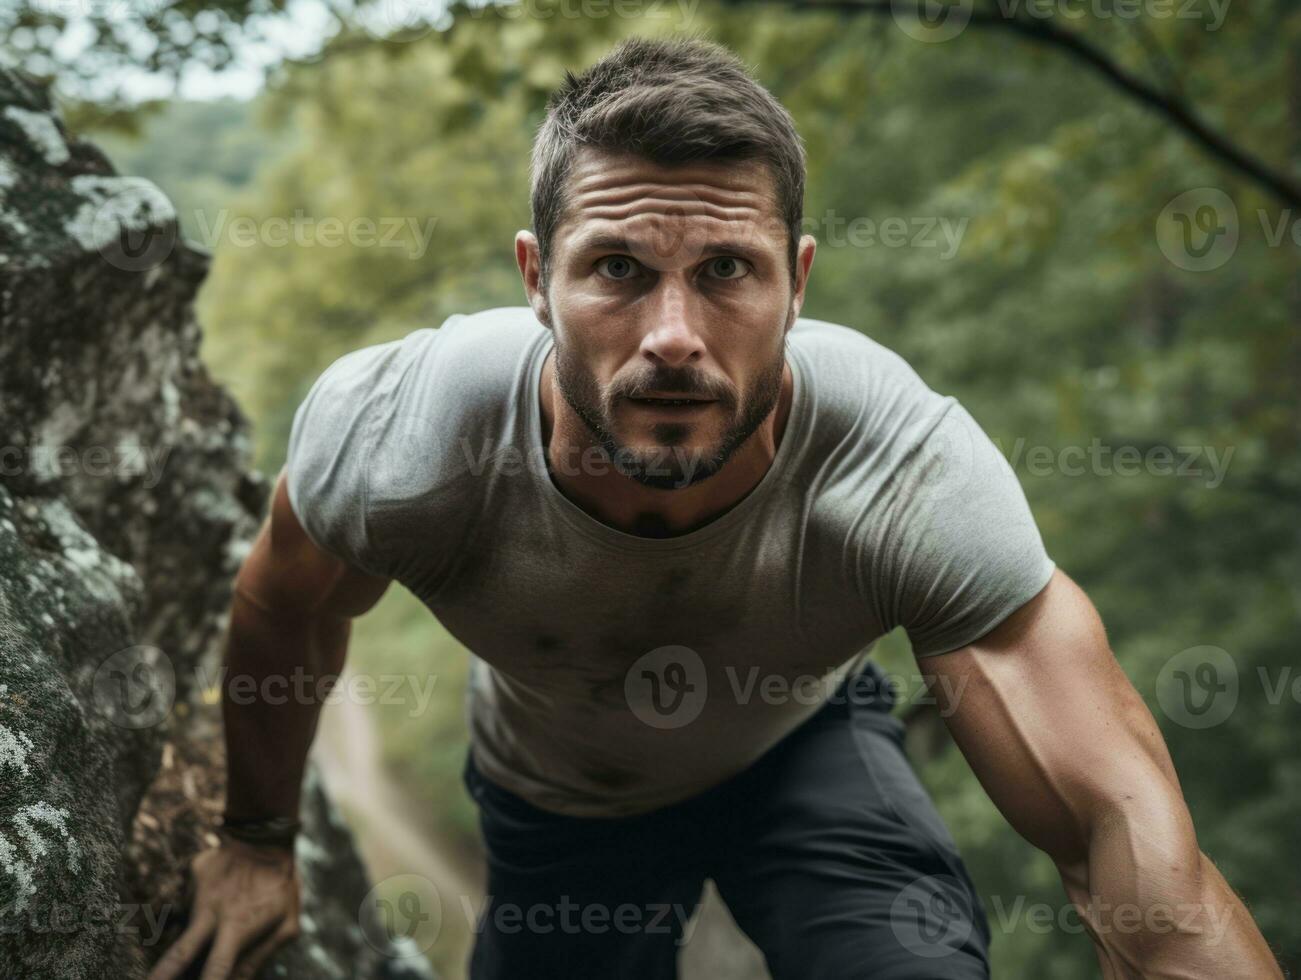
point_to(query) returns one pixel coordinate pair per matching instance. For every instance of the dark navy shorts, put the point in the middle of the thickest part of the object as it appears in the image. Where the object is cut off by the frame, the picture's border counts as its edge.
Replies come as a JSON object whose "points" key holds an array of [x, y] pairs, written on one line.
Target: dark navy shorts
{"points": [[827, 850]]}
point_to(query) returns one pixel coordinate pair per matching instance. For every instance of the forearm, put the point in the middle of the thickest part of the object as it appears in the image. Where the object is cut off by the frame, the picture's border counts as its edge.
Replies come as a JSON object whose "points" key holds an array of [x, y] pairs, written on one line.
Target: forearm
{"points": [[1156, 907], [278, 668]]}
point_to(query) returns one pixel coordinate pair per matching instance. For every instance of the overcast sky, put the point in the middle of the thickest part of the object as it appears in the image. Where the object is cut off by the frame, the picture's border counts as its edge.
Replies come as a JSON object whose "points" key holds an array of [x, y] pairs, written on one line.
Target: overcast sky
{"points": [[298, 32]]}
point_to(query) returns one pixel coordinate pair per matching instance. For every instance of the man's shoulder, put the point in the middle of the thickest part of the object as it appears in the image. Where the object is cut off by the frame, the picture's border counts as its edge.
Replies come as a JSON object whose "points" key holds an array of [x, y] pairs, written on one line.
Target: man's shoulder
{"points": [[858, 383], [467, 358], [403, 413], [474, 358], [497, 329], [494, 332]]}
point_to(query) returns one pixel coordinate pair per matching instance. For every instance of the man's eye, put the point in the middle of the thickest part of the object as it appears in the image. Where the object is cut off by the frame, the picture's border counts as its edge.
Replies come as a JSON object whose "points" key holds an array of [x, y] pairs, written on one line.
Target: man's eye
{"points": [[728, 267], [617, 267]]}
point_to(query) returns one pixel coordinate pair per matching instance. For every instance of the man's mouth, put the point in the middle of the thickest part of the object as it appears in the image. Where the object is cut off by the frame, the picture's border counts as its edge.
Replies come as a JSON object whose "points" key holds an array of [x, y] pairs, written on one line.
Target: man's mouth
{"points": [[674, 401]]}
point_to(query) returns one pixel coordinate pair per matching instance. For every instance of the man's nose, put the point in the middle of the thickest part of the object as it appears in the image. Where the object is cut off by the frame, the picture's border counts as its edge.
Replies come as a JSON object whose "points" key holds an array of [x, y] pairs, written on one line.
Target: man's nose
{"points": [[672, 335]]}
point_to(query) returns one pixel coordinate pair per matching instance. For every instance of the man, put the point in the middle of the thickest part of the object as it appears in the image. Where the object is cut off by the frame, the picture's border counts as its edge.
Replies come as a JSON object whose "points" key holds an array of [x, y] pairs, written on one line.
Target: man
{"points": [[670, 518]]}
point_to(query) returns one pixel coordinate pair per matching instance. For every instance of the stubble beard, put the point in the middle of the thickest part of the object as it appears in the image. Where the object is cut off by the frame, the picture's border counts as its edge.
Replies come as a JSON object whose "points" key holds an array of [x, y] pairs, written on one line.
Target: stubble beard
{"points": [[669, 465]]}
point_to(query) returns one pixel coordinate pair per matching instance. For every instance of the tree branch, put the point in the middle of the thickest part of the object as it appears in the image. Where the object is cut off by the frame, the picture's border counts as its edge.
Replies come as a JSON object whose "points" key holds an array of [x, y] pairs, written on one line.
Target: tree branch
{"points": [[1167, 104]]}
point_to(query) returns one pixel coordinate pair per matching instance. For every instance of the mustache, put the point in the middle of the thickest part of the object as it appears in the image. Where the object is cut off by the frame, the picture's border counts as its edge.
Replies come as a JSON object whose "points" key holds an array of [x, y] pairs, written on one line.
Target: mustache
{"points": [[679, 382]]}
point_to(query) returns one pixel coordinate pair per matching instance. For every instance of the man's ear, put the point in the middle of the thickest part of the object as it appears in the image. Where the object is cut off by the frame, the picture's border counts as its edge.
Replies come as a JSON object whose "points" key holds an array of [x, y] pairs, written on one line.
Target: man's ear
{"points": [[803, 263], [529, 259]]}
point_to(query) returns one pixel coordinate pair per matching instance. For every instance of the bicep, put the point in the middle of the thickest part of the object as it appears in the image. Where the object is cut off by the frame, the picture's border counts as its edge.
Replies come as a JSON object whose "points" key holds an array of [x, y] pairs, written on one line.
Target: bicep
{"points": [[1050, 723], [287, 571]]}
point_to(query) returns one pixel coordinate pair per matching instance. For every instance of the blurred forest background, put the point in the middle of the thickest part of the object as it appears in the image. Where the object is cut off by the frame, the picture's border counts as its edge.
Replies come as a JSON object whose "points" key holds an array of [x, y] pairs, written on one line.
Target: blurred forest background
{"points": [[1085, 296]]}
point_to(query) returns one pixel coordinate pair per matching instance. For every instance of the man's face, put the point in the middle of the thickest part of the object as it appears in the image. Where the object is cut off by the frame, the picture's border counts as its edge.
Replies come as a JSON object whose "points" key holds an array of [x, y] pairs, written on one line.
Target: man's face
{"points": [[668, 283]]}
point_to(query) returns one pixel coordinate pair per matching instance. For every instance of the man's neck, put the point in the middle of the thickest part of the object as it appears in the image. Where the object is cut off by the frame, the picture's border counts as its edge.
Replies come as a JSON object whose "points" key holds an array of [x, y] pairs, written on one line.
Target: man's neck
{"points": [[626, 505]]}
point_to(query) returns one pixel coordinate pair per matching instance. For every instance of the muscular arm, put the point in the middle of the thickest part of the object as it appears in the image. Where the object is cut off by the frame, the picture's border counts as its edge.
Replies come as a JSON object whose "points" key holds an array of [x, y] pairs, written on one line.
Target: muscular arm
{"points": [[289, 627], [290, 618], [1069, 753]]}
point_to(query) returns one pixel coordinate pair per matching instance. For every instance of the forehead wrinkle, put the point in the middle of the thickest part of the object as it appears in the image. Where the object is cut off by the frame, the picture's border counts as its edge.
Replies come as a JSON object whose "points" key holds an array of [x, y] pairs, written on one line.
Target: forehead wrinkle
{"points": [[609, 198], [634, 209], [705, 217], [618, 192]]}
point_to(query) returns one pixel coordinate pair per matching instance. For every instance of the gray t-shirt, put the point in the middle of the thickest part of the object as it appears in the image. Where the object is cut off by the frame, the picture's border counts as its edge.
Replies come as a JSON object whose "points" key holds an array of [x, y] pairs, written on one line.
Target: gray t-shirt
{"points": [[615, 673]]}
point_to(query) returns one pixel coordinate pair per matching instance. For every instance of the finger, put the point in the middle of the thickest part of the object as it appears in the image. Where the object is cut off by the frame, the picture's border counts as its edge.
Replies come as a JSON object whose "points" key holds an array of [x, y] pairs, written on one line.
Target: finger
{"points": [[183, 951], [252, 961], [225, 951]]}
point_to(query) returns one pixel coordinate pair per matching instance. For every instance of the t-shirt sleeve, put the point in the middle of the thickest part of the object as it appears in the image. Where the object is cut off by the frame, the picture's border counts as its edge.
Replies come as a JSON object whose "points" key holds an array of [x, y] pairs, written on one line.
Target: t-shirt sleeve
{"points": [[326, 459], [961, 550]]}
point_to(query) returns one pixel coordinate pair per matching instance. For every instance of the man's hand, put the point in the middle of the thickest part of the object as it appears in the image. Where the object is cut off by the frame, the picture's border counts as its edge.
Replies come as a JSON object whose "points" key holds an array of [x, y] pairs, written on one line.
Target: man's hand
{"points": [[1072, 757], [245, 906]]}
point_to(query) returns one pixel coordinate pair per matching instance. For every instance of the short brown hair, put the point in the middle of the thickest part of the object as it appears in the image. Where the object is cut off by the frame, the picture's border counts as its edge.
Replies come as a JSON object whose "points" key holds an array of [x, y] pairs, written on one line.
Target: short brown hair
{"points": [[670, 101]]}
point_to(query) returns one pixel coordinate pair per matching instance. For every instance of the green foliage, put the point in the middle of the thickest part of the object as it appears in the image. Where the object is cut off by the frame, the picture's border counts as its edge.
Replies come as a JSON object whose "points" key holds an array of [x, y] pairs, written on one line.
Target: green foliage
{"points": [[201, 153], [83, 45]]}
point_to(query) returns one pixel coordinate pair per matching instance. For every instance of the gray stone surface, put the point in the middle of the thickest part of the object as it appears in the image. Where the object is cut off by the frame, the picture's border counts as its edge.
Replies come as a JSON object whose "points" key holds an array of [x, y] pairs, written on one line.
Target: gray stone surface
{"points": [[126, 506]]}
